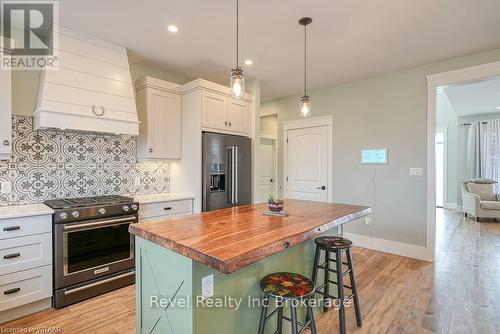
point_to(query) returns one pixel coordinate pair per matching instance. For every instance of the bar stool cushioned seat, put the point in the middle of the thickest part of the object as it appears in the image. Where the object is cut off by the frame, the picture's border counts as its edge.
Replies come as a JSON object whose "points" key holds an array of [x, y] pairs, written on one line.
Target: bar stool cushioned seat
{"points": [[287, 285], [333, 242]]}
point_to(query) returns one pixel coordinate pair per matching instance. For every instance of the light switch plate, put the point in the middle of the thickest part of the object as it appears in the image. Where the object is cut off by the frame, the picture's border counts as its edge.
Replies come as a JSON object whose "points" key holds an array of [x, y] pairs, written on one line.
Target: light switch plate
{"points": [[5, 187], [416, 171], [207, 287]]}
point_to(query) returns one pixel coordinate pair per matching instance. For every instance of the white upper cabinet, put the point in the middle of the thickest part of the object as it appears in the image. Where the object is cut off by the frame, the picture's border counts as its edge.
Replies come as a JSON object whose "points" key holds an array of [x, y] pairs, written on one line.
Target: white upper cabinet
{"points": [[5, 110], [225, 114], [238, 115], [214, 110], [160, 114], [92, 89]]}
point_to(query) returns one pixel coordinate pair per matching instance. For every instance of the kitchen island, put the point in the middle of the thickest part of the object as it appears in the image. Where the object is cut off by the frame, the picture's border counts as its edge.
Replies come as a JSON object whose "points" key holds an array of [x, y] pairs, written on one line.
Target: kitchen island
{"points": [[229, 250]]}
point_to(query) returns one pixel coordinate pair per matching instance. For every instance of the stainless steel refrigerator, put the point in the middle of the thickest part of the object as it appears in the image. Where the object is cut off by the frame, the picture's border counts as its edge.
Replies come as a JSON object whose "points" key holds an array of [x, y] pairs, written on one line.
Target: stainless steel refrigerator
{"points": [[227, 171]]}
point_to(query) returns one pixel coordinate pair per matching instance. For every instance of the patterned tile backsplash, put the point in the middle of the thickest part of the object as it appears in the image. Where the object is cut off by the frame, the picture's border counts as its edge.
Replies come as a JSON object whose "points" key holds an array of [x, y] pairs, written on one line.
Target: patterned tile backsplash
{"points": [[49, 164]]}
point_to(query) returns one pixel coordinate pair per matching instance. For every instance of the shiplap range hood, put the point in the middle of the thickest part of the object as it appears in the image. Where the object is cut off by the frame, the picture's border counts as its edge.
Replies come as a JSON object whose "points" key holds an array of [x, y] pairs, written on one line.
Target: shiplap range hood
{"points": [[92, 90]]}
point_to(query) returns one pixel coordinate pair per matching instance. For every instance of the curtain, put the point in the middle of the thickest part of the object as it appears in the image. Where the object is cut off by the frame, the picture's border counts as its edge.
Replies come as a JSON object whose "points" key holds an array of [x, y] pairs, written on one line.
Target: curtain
{"points": [[470, 157], [490, 150]]}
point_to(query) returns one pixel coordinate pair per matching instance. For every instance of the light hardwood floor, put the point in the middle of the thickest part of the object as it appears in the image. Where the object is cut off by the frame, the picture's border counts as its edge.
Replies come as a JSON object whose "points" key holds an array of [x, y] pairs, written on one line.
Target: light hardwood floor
{"points": [[459, 293]]}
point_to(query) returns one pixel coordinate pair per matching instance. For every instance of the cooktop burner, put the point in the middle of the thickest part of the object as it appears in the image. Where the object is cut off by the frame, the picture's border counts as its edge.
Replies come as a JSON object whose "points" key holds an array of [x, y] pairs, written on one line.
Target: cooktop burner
{"points": [[70, 203]]}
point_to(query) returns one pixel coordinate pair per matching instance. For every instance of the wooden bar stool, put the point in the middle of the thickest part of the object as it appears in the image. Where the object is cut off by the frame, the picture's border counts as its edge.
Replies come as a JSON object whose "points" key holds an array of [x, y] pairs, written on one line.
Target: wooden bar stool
{"points": [[291, 288], [336, 246]]}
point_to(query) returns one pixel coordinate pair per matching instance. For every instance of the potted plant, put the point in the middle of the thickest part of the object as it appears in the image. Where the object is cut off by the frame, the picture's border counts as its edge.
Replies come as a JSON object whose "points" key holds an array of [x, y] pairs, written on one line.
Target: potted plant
{"points": [[275, 203]]}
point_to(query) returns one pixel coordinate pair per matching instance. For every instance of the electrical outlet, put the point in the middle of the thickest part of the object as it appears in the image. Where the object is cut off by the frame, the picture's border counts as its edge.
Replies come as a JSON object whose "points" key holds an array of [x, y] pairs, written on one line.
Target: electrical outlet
{"points": [[416, 171], [368, 221], [207, 287], [137, 181], [5, 187]]}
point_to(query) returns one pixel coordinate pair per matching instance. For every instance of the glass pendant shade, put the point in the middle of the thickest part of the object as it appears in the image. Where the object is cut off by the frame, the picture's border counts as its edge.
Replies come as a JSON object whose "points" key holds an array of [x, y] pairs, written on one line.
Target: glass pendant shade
{"points": [[305, 106], [237, 82]]}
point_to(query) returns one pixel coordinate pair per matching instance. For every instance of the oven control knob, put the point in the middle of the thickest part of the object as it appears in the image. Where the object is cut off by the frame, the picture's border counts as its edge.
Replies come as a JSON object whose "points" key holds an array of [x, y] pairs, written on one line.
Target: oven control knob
{"points": [[134, 207], [63, 215], [75, 214], [102, 211], [125, 208]]}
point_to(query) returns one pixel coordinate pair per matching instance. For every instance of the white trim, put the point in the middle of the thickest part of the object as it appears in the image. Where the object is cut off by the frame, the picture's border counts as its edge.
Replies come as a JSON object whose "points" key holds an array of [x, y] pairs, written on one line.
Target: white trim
{"points": [[473, 73], [268, 113], [459, 208], [389, 246], [268, 136], [450, 206], [309, 123]]}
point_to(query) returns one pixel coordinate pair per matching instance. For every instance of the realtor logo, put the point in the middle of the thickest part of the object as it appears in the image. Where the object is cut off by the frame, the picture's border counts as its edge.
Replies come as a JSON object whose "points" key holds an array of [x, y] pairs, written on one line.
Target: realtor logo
{"points": [[29, 31]]}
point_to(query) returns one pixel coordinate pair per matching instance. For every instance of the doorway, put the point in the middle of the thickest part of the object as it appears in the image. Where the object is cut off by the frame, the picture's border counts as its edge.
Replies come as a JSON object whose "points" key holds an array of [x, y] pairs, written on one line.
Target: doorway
{"points": [[267, 168], [307, 160], [435, 82]]}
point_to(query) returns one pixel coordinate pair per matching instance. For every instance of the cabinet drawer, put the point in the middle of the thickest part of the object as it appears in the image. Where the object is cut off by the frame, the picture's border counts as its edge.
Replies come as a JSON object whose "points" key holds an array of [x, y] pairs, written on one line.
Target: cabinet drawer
{"points": [[23, 253], [165, 209], [18, 227], [25, 287]]}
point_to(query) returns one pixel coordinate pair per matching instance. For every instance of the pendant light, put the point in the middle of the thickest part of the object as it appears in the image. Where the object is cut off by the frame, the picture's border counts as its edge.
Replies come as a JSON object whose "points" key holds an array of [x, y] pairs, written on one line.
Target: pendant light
{"points": [[237, 82], [305, 101]]}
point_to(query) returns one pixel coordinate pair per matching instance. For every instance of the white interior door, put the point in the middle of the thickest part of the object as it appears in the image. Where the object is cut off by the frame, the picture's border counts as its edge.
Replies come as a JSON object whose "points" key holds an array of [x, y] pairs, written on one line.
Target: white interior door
{"points": [[306, 164], [267, 169]]}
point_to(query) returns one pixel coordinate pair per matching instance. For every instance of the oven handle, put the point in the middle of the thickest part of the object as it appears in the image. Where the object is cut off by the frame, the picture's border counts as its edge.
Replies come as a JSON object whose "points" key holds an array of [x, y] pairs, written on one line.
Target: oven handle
{"points": [[107, 280], [109, 222]]}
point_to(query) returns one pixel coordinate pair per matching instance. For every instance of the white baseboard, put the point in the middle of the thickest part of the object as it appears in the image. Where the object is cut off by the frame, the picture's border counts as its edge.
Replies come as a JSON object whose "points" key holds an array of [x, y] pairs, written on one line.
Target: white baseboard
{"points": [[450, 206], [390, 246], [24, 310], [459, 208]]}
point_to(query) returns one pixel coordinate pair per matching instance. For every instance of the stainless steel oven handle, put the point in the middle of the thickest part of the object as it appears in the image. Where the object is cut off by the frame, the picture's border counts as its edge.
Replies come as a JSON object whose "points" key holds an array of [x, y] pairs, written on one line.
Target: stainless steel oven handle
{"points": [[109, 222], [91, 285]]}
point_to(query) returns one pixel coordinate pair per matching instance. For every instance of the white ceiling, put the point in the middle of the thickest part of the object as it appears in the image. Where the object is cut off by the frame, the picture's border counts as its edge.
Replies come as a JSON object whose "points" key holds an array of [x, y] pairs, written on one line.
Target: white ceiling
{"points": [[349, 39], [476, 98]]}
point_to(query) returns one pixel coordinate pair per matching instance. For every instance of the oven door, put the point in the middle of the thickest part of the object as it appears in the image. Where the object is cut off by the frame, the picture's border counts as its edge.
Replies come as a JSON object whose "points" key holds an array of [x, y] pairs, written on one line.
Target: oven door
{"points": [[90, 249]]}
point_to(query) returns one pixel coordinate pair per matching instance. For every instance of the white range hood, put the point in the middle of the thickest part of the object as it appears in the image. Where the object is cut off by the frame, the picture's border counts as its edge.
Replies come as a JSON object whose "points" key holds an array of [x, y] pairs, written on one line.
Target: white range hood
{"points": [[92, 89]]}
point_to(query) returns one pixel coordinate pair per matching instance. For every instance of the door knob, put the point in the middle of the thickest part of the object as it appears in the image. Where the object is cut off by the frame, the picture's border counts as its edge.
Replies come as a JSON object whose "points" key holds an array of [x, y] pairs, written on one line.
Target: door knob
{"points": [[321, 188]]}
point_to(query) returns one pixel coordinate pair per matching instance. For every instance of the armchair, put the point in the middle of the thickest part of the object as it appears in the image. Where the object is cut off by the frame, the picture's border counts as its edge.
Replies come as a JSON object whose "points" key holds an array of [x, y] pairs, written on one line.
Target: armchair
{"points": [[479, 199]]}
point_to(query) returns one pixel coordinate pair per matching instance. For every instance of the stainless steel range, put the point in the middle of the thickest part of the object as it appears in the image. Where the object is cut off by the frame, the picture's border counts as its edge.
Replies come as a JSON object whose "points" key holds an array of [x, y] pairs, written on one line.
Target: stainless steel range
{"points": [[93, 250]]}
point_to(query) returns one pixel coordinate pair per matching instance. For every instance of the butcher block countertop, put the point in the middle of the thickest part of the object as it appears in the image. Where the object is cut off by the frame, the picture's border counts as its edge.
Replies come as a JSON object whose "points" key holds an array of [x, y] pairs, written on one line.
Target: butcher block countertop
{"points": [[230, 239]]}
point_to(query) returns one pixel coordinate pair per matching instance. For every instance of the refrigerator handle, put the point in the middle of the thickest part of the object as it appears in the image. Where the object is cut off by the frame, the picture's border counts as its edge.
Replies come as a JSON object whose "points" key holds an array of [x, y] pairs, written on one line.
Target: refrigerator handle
{"points": [[230, 187], [235, 175]]}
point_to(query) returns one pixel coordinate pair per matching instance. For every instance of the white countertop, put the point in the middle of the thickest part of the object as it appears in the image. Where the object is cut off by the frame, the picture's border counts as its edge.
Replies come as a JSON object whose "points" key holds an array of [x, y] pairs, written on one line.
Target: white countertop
{"points": [[24, 210], [163, 197]]}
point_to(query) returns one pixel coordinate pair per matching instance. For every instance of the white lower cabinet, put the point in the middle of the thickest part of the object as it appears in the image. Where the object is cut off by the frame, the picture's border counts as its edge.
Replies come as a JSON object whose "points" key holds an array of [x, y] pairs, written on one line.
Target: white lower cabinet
{"points": [[25, 265], [150, 211], [25, 252], [24, 287]]}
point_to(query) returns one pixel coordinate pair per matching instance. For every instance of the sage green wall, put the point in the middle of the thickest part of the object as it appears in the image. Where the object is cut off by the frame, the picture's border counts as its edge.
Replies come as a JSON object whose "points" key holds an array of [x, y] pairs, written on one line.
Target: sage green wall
{"points": [[25, 85], [384, 111], [446, 117]]}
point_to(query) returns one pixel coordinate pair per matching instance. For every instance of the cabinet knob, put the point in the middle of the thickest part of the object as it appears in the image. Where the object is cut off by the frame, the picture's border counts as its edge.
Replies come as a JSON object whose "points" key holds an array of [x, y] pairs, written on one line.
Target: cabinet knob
{"points": [[229, 123], [225, 123], [150, 150], [6, 143]]}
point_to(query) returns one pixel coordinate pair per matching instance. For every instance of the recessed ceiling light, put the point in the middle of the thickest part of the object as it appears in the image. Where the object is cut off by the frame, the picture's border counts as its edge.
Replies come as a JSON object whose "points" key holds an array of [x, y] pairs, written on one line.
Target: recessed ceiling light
{"points": [[173, 28], [248, 62], [498, 107]]}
